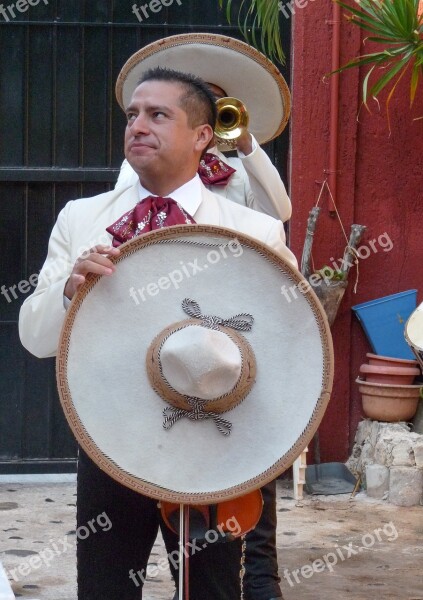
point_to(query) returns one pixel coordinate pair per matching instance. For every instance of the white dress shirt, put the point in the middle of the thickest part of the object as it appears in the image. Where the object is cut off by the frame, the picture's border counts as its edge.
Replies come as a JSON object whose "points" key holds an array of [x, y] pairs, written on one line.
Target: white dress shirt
{"points": [[188, 195]]}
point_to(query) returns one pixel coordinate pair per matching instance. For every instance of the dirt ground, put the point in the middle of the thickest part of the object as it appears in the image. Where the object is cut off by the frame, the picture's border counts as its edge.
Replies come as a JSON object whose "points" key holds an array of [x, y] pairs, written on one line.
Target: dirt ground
{"points": [[328, 546]]}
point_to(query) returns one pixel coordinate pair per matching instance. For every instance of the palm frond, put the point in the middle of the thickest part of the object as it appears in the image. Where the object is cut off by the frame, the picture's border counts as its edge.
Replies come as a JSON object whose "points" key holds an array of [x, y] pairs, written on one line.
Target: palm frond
{"points": [[258, 21], [398, 26]]}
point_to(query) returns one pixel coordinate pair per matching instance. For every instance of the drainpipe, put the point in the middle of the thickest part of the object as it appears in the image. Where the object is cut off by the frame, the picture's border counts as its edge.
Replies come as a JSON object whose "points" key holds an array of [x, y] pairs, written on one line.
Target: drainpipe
{"points": [[332, 170]]}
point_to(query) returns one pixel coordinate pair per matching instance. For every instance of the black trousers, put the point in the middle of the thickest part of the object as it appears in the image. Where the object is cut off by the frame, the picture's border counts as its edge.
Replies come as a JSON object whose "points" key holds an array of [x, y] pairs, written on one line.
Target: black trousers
{"points": [[261, 580], [112, 563]]}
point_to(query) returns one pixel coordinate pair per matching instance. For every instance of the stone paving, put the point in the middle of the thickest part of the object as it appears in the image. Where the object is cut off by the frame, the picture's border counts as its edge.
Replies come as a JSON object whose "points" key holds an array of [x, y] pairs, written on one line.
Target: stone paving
{"points": [[328, 546]]}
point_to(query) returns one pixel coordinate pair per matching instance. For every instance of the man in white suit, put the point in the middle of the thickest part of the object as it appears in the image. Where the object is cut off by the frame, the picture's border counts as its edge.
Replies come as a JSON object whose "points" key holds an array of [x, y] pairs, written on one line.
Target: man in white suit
{"points": [[170, 123], [256, 182]]}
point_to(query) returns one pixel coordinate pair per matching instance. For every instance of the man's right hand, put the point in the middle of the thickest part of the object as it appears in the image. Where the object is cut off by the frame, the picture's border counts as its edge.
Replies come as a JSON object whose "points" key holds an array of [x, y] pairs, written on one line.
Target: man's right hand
{"points": [[95, 260]]}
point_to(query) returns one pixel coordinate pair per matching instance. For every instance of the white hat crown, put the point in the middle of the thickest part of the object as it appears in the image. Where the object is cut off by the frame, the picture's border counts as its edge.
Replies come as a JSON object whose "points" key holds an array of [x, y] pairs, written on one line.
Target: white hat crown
{"points": [[201, 363]]}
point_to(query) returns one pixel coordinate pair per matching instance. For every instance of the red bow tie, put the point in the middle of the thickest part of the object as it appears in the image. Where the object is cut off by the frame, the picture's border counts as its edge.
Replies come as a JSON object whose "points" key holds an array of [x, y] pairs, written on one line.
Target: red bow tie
{"points": [[213, 171], [153, 212]]}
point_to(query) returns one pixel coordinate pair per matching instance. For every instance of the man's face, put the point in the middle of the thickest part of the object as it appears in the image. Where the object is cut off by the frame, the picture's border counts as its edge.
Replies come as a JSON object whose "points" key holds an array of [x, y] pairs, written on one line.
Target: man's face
{"points": [[159, 142]]}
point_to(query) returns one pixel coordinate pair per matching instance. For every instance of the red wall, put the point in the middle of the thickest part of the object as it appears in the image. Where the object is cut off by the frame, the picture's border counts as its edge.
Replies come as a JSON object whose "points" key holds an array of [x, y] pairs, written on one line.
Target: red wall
{"points": [[380, 185]]}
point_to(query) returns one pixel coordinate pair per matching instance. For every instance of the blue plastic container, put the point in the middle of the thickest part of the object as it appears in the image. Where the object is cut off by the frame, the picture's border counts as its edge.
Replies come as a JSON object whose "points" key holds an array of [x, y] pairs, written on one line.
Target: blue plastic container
{"points": [[383, 321]]}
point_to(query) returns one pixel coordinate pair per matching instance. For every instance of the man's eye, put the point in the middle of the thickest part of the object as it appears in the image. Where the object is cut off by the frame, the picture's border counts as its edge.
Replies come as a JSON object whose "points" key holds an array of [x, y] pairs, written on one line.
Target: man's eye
{"points": [[130, 117], [158, 114]]}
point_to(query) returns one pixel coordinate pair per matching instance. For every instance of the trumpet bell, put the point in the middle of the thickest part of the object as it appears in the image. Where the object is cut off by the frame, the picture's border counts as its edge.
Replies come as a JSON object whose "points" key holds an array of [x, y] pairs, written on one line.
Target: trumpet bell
{"points": [[232, 120]]}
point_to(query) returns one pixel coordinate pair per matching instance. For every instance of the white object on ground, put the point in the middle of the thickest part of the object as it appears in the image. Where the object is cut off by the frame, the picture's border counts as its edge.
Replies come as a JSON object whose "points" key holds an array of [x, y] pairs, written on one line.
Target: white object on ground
{"points": [[298, 470], [6, 592]]}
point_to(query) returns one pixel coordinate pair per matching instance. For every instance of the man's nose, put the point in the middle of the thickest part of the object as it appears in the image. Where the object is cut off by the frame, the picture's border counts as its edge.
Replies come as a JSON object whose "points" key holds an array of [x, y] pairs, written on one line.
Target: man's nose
{"points": [[139, 124]]}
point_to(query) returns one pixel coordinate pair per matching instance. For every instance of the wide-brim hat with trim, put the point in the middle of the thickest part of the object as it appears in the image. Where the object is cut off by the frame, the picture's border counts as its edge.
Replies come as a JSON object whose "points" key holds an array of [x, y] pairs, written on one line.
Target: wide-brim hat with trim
{"points": [[193, 374], [239, 69]]}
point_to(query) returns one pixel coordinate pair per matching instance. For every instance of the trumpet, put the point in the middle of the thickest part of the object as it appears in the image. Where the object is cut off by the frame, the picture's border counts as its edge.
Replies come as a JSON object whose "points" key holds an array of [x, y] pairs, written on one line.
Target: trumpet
{"points": [[232, 120]]}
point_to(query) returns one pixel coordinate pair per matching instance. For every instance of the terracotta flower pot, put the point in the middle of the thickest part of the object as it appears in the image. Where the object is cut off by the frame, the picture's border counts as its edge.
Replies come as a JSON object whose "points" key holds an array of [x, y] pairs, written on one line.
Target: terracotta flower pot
{"points": [[390, 403], [388, 361], [389, 375]]}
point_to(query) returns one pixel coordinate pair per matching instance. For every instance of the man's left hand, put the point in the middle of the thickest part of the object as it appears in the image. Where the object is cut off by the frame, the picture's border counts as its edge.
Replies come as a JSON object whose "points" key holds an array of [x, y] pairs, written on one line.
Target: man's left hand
{"points": [[245, 142]]}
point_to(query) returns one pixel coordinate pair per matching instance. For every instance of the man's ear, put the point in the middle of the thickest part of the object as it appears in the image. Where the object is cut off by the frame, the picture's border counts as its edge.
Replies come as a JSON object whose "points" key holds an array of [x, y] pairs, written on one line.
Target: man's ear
{"points": [[205, 135]]}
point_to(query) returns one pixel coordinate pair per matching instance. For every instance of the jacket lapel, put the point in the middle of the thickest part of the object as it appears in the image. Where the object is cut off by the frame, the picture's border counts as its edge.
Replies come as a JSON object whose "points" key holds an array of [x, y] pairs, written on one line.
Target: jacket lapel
{"points": [[124, 200], [209, 211]]}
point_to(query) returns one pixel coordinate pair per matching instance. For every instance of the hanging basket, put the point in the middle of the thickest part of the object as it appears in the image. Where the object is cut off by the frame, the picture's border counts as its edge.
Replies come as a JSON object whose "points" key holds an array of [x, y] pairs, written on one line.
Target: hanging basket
{"points": [[329, 291], [330, 294]]}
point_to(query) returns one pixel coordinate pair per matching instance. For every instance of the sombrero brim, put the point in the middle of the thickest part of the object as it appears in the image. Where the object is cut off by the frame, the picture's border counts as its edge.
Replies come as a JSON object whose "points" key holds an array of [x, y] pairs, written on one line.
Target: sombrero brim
{"points": [[116, 415], [413, 333], [239, 69]]}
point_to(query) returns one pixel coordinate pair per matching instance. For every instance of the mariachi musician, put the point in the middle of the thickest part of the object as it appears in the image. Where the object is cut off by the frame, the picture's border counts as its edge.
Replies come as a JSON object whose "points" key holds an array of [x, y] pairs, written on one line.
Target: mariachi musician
{"points": [[103, 563], [249, 179], [252, 179]]}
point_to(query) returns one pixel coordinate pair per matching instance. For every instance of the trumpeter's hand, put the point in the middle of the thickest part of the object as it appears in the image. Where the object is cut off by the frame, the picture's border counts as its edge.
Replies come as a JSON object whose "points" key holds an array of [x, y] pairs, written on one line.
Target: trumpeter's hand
{"points": [[245, 142]]}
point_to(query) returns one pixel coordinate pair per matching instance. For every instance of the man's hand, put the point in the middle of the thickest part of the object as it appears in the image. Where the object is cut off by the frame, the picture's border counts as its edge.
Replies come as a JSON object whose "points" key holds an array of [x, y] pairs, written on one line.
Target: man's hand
{"points": [[245, 142], [93, 261]]}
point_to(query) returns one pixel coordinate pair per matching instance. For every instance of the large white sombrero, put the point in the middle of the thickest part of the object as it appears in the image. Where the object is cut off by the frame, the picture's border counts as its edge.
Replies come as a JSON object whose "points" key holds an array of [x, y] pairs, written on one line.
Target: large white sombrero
{"points": [[128, 339], [239, 69], [413, 333]]}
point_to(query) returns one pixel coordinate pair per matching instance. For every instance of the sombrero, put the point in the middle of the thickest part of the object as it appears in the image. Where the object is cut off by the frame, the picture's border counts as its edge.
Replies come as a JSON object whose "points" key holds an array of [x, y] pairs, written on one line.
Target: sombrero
{"points": [[188, 376], [413, 333], [239, 69]]}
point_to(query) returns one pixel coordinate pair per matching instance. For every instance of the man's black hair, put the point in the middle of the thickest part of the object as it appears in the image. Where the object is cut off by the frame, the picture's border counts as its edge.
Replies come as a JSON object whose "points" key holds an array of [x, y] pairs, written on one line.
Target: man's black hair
{"points": [[198, 100]]}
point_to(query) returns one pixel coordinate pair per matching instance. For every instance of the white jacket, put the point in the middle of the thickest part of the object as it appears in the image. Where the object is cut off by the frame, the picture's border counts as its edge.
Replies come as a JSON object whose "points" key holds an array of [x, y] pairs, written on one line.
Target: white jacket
{"points": [[82, 224]]}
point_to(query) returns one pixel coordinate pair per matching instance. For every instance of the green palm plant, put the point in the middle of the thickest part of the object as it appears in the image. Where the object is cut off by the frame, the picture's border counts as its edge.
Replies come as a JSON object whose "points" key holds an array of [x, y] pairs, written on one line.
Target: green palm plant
{"points": [[398, 26], [262, 15]]}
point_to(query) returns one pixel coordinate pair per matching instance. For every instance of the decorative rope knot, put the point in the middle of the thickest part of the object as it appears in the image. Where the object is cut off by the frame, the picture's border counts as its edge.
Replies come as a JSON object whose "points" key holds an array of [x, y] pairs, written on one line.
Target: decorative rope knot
{"points": [[197, 412], [241, 322], [171, 415]]}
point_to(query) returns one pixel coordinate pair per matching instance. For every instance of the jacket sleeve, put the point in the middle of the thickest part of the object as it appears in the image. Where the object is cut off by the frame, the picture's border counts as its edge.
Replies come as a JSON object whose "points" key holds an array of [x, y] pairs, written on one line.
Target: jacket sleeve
{"points": [[277, 241], [267, 192], [42, 314]]}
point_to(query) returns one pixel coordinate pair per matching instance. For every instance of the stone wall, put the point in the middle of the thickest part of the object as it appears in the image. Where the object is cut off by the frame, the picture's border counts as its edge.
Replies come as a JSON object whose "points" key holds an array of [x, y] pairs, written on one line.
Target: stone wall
{"points": [[389, 459]]}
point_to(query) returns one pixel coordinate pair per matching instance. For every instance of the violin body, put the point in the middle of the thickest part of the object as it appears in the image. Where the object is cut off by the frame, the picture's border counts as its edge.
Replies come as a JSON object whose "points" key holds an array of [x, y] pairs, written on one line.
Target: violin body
{"points": [[225, 521]]}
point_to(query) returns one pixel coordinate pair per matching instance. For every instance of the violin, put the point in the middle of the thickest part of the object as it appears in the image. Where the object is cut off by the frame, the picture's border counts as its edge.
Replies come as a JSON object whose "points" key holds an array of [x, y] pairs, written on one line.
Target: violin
{"points": [[229, 520]]}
